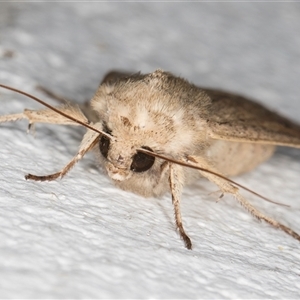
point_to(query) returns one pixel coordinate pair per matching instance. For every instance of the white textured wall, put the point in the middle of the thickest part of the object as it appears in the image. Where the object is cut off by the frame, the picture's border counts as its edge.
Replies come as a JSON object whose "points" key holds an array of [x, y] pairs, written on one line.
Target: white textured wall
{"points": [[80, 237]]}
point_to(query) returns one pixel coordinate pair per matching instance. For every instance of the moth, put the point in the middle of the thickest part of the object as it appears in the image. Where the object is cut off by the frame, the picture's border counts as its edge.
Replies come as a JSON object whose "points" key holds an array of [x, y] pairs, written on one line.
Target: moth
{"points": [[154, 133]]}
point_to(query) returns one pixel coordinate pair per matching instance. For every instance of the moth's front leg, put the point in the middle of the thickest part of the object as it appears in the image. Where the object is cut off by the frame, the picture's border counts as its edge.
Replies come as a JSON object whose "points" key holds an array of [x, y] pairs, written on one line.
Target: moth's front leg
{"points": [[227, 187], [51, 116], [90, 139], [176, 179], [48, 116], [85, 107]]}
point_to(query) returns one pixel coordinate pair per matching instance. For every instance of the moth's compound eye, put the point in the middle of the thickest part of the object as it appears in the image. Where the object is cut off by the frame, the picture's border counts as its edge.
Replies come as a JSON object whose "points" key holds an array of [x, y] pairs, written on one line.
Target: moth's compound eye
{"points": [[104, 145], [142, 162]]}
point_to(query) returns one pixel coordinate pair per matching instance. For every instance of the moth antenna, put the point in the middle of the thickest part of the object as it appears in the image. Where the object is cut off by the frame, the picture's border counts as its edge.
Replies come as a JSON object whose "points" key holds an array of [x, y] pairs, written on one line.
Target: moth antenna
{"points": [[181, 163], [56, 110]]}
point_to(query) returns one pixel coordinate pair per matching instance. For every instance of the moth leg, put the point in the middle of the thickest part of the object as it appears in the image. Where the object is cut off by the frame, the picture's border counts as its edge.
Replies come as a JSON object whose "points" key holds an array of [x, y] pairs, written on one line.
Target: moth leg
{"points": [[176, 183], [227, 187], [110, 78], [85, 107], [48, 116], [89, 140]]}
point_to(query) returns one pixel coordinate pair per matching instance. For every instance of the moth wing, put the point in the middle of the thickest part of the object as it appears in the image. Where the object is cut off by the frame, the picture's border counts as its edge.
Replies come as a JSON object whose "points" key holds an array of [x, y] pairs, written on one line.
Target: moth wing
{"points": [[236, 118], [113, 76]]}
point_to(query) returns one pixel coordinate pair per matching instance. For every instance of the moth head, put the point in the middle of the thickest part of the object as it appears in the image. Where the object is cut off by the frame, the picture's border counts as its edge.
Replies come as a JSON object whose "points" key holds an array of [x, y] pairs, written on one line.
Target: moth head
{"points": [[152, 112], [122, 160], [120, 154]]}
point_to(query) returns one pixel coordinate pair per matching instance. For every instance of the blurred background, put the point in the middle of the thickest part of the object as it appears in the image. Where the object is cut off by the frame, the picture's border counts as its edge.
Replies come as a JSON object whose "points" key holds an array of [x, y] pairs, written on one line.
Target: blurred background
{"points": [[246, 47]]}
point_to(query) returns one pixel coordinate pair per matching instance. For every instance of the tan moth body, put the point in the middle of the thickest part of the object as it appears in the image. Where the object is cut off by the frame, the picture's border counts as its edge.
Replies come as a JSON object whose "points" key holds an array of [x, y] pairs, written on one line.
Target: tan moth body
{"points": [[133, 119]]}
